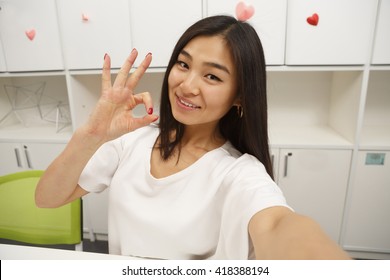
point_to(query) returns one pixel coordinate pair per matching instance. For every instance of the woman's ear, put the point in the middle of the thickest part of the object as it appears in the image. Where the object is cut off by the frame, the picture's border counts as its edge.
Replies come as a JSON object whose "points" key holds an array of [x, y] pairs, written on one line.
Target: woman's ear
{"points": [[237, 102]]}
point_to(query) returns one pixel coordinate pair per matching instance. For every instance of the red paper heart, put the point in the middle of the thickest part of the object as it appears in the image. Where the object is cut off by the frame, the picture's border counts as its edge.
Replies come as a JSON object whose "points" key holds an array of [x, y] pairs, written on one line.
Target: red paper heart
{"points": [[313, 20], [244, 11], [30, 34]]}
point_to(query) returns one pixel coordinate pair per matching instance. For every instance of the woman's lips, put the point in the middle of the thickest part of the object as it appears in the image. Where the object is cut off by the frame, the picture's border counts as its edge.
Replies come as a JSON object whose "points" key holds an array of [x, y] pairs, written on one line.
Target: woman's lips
{"points": [[186, 104]]}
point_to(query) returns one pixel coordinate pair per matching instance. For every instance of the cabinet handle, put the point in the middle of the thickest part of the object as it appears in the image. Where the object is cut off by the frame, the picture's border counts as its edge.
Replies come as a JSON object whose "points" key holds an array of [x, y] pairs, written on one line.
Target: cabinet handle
{"points": [[17, 155], [27, 157], [286, 163]]}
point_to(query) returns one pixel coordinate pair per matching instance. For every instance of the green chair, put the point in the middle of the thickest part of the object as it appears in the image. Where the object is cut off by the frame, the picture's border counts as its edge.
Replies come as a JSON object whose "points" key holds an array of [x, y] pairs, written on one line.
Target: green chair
{"points": [[21, 220]]}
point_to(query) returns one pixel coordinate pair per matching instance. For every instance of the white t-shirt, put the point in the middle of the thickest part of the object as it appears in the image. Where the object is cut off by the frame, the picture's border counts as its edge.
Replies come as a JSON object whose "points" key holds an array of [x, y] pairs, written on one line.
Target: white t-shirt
{"points": [[201, 212]]}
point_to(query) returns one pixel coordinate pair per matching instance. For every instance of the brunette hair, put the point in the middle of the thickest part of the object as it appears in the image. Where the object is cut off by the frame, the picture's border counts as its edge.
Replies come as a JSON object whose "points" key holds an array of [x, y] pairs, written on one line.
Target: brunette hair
{"points": [[248, 133]]}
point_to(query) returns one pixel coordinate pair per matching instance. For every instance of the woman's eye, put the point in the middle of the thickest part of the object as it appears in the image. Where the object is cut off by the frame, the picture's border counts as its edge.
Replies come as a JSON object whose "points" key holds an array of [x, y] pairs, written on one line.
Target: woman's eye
{"points": [[213, 77], [182, 64]]}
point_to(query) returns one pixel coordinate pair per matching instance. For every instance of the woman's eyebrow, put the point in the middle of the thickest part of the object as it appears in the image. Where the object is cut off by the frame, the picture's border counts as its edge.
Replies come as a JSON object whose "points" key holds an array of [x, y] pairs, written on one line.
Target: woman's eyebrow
{"points": [[211, 64]]}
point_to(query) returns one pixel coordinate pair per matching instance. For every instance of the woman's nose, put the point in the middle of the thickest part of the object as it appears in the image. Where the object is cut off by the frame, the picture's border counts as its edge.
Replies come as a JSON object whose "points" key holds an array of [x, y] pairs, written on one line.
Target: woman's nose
{"points": [[190, 84]]}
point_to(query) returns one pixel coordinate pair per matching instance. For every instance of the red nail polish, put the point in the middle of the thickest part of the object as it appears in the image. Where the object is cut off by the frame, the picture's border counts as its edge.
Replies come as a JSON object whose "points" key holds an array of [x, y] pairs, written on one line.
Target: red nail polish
{"points": [[150, 111], [155, 119]]}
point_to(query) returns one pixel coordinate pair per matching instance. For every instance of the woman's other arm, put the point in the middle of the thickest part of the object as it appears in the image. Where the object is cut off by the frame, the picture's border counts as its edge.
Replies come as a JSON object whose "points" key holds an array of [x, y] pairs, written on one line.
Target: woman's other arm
{"points": [[279, 233]]}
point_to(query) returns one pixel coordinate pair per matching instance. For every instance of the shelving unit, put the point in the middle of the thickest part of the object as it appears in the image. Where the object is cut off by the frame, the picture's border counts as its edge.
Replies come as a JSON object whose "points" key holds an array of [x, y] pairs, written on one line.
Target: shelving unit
{"points": [[328, 94], [376, 121]]}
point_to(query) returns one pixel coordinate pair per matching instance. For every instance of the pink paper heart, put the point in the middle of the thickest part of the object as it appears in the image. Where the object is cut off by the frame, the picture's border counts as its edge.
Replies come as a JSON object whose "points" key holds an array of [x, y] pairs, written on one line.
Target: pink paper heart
{"points": [[30, 34], [84, 17], [244, 11]]}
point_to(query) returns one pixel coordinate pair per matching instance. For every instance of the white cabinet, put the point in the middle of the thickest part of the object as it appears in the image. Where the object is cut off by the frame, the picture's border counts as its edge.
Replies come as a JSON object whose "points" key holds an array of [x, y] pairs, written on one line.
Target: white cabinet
{"points": [[314, 182], [91, 28], [269, 20], [367, 219], [343, 34], [157, 25], [30, 35], [367, 225], [18, 156], [381, 54]]}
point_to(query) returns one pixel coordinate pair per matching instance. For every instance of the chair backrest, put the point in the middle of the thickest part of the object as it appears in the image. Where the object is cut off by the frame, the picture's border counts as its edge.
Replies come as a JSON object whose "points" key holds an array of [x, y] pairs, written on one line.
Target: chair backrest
{"points": [[21, 220]]}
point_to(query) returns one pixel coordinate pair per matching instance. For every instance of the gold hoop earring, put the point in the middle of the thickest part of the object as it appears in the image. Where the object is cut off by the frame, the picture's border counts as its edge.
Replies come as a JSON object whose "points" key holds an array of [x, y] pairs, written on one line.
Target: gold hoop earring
{"points": [[240, 111]]}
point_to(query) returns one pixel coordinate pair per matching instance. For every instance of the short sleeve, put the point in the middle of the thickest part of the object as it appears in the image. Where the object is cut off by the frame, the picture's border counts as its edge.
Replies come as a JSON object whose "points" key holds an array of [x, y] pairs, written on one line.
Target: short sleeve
{"points": [[249, 189], [100, 169]]}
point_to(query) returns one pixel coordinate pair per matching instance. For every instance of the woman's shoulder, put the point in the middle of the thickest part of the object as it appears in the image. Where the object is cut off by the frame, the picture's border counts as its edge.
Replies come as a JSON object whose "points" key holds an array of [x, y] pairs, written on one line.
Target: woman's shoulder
{"points": [[239, 158], [149, 131], [240, 164]]}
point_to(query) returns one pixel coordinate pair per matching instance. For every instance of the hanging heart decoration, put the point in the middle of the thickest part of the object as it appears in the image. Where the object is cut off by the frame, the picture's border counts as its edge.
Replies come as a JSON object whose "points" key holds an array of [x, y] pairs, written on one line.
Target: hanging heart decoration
{"points": [[30, 34], [244, 11], [84, 17], [313, 19]]}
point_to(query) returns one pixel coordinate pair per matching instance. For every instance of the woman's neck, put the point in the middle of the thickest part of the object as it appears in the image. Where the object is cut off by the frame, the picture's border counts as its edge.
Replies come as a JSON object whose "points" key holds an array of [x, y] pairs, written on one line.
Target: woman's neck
{"points": [[204, 137]]}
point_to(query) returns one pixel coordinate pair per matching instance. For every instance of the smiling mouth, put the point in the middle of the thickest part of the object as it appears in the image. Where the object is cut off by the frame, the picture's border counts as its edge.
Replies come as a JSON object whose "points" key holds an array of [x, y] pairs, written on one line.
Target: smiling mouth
{"points": [[187, 104]]}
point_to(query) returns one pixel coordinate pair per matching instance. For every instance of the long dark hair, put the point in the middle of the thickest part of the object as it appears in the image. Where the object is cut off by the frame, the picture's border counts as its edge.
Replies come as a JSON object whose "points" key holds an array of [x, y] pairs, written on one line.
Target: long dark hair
{"points": [[249, 133]]}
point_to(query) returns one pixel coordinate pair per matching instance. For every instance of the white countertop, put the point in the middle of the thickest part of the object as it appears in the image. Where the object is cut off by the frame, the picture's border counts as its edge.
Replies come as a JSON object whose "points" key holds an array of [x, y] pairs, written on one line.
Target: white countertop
{"points": [[18, 252]]}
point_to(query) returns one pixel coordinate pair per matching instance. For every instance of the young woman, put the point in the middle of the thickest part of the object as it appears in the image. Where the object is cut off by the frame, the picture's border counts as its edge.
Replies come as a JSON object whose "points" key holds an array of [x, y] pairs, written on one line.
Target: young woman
{"points": [[199, 185]]}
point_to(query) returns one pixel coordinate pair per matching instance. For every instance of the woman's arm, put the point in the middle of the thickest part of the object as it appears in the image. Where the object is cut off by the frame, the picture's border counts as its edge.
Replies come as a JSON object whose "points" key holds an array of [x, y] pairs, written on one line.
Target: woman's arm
{"points": [[111, 118], [279, 233]]}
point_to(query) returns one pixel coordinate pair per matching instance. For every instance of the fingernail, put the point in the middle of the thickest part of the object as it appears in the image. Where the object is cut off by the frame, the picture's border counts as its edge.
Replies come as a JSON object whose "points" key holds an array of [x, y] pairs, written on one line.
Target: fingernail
{"points": [[155, 119], [150, 111], [133, 50], [105, 56], [149, 53]]}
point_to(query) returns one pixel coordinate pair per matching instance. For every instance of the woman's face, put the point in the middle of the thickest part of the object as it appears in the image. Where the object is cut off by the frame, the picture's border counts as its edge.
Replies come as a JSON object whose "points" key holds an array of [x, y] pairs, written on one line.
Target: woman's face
{"points": [[202, 83]]}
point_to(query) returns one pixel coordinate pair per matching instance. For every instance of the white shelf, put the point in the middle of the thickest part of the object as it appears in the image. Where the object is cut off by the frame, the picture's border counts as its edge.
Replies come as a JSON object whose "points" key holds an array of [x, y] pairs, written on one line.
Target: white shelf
{"points": [[40, 134], [375, 138], [113, 71], [31, 74], [314, 68], [321, 137]]}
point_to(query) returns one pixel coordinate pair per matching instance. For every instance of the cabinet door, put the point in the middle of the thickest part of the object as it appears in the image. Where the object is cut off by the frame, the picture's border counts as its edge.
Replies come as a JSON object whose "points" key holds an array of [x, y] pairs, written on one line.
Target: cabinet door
{"points": [[157, 25], [275, 162], [367, 219], [40, 155], [16, 157], [342, 35], [95, 213], [30, 35], [269, 20], [12, 158], [92, 28], [314, 183], [381, 54]]}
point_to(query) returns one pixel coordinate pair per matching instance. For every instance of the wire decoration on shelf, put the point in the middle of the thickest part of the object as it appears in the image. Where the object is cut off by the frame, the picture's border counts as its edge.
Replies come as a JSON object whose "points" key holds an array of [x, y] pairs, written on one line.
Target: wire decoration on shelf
{"points": [[29, 104]]}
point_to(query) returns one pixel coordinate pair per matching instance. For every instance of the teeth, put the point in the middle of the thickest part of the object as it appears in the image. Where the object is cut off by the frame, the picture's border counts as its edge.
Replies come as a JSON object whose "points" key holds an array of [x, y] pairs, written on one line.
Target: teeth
{"points": [[188, 104]]}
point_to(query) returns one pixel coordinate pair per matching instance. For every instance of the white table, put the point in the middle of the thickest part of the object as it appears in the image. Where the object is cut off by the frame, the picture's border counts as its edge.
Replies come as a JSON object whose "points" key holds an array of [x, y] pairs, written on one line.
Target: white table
{"points": [[18, 252]]}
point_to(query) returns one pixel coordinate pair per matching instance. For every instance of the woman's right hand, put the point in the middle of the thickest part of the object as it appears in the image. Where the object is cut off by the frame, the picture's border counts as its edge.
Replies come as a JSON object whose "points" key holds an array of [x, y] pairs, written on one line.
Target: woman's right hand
{"points": [[112, 116]]}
